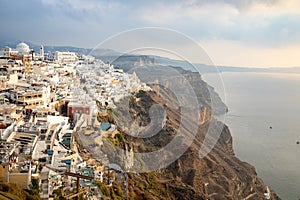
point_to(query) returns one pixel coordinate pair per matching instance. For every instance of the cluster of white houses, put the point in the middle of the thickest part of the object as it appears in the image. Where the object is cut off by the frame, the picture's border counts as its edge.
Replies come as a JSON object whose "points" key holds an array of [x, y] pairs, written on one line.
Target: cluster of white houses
{"points": [[43, 97], [22, 50]]}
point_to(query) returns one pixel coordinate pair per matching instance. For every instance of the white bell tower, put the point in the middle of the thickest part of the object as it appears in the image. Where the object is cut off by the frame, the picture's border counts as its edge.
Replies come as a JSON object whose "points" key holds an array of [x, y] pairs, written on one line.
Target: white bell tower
{"points": [[42, 52]]}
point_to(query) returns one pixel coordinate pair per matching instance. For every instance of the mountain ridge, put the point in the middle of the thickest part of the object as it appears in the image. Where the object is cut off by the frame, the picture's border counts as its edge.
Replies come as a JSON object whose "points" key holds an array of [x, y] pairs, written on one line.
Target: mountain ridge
{"points": [[111, 55]]}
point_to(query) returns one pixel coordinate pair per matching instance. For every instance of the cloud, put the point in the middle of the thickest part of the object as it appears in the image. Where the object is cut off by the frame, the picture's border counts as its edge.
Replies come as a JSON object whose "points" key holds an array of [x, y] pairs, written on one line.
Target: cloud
{"points": [[86, 22], [235, 53], [239, 4], [86, 8], [254, 22], [258, 22]]}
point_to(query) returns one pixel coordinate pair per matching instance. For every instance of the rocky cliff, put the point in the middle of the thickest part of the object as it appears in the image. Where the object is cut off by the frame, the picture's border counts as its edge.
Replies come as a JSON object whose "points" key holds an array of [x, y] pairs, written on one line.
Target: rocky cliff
{"points": [[217, 175]]}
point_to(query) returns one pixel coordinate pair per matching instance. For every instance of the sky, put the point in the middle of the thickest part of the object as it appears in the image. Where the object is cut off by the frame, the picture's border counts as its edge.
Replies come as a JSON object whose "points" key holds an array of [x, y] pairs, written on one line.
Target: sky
{"points": [[246, 33]]}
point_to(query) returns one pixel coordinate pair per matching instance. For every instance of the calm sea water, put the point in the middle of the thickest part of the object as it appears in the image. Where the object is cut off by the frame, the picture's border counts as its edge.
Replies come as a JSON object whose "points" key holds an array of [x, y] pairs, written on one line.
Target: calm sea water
{"points": [[258, 101]]}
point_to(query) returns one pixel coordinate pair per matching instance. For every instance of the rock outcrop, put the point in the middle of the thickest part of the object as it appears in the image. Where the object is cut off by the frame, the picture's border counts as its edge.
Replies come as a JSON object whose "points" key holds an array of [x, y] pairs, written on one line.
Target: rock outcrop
{"points": [[217, 175]]}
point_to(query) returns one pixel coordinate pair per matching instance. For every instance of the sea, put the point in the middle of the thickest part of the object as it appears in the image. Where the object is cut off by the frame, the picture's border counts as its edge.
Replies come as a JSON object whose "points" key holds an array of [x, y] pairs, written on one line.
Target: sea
{"points": [[264, 120]]}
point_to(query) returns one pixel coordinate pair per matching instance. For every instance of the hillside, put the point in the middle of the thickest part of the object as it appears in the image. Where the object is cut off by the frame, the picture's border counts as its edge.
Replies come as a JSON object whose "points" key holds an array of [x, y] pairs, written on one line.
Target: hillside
{"points": [[218, 175], [10, 191]]}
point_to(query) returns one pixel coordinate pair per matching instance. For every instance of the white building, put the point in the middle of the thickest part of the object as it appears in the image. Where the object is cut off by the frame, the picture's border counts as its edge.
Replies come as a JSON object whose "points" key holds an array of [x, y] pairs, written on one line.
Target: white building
{"points": [[42, 52], [23, 48], [63, 57], [5, 52]]}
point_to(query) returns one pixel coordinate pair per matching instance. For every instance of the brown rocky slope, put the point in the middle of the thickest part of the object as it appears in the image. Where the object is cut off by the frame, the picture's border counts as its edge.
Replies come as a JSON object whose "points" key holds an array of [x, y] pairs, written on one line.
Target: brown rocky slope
{"points": [[219, 175]]}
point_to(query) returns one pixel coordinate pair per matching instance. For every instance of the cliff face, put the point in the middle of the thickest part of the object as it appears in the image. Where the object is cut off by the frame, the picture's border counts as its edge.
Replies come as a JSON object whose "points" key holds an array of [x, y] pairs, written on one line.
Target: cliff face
{"points": [[219, 175], [180, 81], [148, 70]]}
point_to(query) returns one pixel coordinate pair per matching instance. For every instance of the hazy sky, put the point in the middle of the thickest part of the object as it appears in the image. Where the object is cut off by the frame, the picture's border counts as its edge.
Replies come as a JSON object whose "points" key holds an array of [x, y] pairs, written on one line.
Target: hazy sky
{"points": [[260, 33]]}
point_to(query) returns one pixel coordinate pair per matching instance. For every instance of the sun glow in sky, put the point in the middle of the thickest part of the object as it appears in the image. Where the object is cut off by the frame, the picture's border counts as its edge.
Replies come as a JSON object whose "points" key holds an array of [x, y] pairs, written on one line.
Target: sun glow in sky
{"points": [[248, 33]]}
